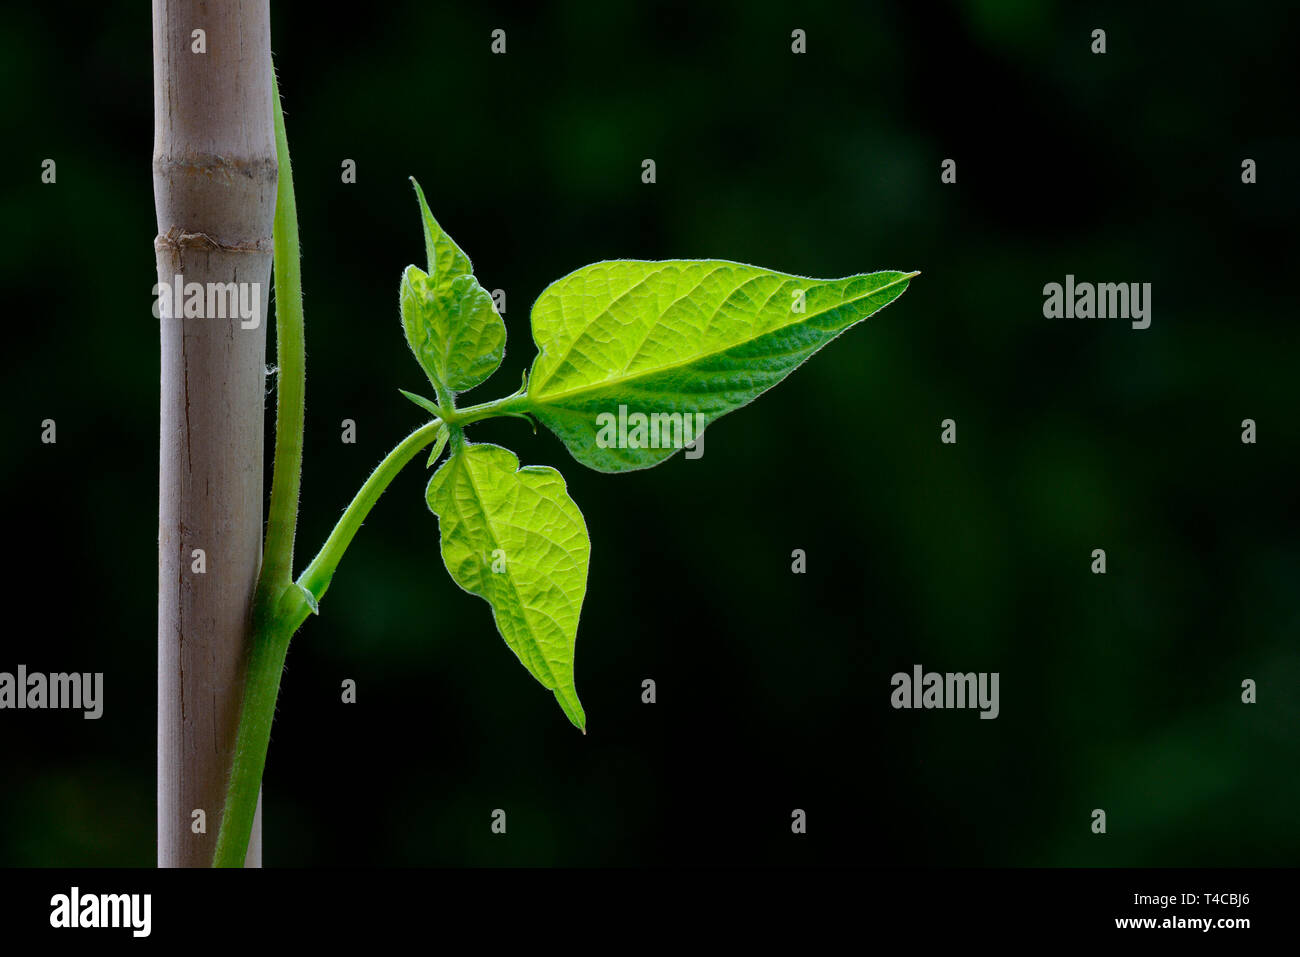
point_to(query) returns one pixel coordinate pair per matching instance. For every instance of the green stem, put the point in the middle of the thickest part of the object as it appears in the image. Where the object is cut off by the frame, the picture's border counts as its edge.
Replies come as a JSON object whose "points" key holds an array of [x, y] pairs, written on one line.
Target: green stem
{"points": [[269, 642], [273, 627], [316, 577], [261, 688], [510, 405], [291, 378], [281, 605]]}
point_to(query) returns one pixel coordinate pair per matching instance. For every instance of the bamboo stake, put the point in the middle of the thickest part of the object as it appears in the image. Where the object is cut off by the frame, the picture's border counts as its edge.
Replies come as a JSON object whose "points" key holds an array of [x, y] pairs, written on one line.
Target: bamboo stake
{"points": [[214, 176]]}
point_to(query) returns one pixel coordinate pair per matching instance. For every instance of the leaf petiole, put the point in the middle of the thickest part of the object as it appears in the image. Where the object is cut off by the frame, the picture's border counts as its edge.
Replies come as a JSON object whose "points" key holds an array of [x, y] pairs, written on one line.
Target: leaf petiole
{"points": [[317, 575], [508, 405]]}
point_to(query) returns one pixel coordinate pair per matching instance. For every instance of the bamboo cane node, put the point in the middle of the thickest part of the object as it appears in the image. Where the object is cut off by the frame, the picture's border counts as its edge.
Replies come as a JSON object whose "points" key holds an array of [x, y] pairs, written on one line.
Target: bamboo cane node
{"points": [[227, 169], [178, 238]]}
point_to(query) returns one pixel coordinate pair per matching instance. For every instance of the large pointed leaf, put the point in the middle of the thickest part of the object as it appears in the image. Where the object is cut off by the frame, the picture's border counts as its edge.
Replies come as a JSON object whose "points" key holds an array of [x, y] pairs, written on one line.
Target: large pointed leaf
{"points": [[697, 338], [514, 537], [451, 322]]}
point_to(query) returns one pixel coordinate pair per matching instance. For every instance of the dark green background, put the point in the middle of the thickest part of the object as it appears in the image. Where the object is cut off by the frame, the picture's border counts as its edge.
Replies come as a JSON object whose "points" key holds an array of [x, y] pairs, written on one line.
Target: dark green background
{"points": [[1120, 692]]}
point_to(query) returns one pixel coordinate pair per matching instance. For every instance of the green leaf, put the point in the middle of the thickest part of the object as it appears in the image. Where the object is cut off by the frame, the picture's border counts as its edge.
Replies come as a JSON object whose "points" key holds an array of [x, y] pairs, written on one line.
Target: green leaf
{"points": [[451, 322], [446, 260], [457, 335], [514, 537], [694, 339]]}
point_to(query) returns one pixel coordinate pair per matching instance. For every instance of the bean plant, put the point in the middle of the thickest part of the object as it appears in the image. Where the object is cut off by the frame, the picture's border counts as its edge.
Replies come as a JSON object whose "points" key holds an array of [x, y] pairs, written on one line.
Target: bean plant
{"points": [[634, 358]]}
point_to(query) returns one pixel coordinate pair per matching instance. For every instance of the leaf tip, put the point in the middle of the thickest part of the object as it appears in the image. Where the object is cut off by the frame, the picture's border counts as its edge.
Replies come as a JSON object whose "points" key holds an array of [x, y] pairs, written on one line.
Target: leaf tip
{"points": [[419, 195], [572, 709]]}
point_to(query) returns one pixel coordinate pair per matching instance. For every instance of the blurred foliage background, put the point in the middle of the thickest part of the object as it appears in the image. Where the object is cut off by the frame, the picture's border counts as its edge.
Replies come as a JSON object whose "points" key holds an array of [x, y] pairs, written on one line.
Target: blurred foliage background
{"points": [[1119, 692]]}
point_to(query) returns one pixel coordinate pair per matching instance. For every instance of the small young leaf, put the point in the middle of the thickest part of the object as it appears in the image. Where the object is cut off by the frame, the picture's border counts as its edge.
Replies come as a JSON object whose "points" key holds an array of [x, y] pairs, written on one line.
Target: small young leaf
{"points": [[454, 332], [514, 537], [678, 338], [451, 322]]}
